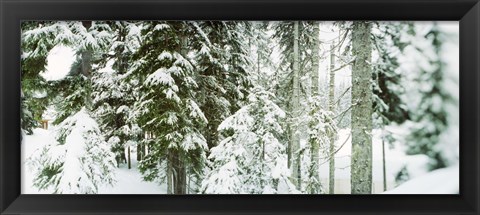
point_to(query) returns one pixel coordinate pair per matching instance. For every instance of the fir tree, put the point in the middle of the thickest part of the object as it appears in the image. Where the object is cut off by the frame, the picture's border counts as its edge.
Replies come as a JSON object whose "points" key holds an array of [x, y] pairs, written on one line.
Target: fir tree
{"points": [[250, 159], [220, 61], [79, 163], [168, 104], [431, 118]]}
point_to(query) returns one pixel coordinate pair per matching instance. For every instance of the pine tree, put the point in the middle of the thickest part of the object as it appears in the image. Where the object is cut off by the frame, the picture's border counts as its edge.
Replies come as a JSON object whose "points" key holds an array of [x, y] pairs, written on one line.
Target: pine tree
{"points": [[388, 106], [361, 160], [431, 117], [168, 106], [38, 38], [221, 61], [79, 163], [251, 159], [114, 93]]}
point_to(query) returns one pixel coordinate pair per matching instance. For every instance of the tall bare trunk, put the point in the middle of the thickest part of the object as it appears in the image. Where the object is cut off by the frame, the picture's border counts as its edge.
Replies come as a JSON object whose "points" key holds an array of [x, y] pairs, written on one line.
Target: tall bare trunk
{"points": [[331, 108], [315, 88], [295, 158], [384, 167], [361, 159]]}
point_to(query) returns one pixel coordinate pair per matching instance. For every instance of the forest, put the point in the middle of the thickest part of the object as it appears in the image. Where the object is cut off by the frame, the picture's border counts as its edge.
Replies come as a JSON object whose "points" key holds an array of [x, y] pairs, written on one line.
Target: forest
{"points": [[239, 107]]}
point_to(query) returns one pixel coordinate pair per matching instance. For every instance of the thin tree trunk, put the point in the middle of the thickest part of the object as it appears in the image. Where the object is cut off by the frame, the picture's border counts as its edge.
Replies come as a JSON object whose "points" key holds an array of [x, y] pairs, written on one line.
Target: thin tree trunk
{"points": [[139, 152], [86, 68], [384, 167], [361, 158], [331, 108], [296, 168], [315, 91], [129, 159], [169, 174]]}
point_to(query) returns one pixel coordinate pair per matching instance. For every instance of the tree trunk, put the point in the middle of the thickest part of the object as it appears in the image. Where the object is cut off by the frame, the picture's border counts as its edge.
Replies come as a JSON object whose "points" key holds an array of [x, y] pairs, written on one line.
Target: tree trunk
{"points": [[179, 165], [169, 174], [294, 139], [315, 91], [361, 158], [179, 173], [331, 108], [139, 152], [86, 68], [384, 167], [129, 158]]}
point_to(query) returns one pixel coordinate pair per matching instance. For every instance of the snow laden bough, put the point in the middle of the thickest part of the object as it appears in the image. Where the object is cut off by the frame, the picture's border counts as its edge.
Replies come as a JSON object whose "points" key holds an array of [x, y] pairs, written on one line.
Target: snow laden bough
{"points": [[79, 163], [251, 159]]}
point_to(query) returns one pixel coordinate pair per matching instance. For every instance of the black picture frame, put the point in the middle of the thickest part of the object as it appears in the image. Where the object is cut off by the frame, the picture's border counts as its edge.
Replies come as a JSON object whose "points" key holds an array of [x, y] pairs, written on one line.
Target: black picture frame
{"points": [[13, 11]]}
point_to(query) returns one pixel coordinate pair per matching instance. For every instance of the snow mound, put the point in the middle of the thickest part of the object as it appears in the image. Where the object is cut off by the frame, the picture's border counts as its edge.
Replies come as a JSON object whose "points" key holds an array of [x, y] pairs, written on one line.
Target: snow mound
{"points": [[441, 181]]}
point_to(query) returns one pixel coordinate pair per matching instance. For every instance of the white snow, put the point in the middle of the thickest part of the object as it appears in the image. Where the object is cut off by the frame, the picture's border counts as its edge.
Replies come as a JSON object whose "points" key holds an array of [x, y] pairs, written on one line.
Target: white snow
{"points": [[59, 61], [440, 181], [395, 160], [128, 181]]}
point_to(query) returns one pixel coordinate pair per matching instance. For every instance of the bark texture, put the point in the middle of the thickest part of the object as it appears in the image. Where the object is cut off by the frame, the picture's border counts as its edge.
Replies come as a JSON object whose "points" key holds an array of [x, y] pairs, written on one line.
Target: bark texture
{"points": [[331, 135], [315, 88], [294, 139], [361, 160]]}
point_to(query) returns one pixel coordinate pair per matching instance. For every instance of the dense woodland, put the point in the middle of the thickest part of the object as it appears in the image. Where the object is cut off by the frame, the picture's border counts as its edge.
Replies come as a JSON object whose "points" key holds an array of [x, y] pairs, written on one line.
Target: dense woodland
{"points": [[229, 107]]}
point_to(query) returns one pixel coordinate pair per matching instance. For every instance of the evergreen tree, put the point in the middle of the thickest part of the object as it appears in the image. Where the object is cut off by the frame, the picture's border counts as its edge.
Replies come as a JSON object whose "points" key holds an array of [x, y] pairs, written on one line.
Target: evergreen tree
{"points": [[79, 163], [431, 116], [320, 123], [221, 60], [388, 106], [250, 159], [168, 106], [38, 38], [114, 93]]}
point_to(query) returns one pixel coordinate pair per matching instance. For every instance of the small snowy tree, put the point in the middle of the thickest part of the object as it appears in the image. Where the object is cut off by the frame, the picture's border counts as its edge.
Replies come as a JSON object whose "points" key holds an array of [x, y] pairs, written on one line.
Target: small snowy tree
{"points": [[79, 163], [320, 123], [250, 159]]}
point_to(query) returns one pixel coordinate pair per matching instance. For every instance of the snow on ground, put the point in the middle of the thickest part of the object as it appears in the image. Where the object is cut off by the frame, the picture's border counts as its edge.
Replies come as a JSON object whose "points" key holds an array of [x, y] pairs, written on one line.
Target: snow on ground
{"points": [[128, 181], [30, 144], [441, 181], [395, 159]]}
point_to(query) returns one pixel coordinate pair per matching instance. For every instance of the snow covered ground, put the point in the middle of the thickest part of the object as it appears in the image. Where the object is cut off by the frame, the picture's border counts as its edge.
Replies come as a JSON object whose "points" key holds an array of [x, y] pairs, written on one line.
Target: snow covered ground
{"points": [[440, 181], [395, 159], [128, 181]]}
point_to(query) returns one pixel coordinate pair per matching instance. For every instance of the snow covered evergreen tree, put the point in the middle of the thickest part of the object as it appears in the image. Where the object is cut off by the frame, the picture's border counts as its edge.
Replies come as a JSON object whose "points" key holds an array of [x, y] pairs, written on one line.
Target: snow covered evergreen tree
{"points": [[114, 93], [251, 159], [79, 163], [321, 124], [167, 106], [387, 79], [221, 60], [38, 38], [437, 111]]}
